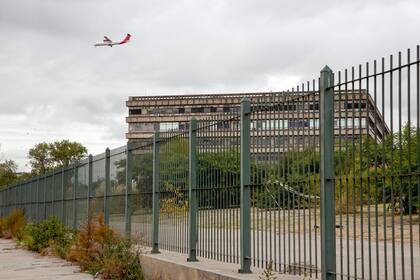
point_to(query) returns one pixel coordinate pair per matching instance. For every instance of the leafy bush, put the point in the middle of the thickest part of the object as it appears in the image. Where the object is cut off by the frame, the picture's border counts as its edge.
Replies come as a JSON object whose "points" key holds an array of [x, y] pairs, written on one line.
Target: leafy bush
{"points": [[95, 247], [50, 237], [120, 262]]}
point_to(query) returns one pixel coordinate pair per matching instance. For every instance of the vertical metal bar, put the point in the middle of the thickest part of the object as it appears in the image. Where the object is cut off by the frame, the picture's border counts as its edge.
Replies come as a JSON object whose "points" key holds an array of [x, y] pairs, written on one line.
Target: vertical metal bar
{"points": [[155, 212], [76, 179], [193, 209], [328, 255], [245, 188], [62, 194], [128, 179], [89, 190], [45, 197], [107, 184]]}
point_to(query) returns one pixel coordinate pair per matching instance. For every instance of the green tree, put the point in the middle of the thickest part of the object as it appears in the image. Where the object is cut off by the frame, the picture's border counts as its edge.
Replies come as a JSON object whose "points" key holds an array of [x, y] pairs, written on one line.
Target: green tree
{"points": [[40, 158], [47, 156], [65, 152], [7, 172]]}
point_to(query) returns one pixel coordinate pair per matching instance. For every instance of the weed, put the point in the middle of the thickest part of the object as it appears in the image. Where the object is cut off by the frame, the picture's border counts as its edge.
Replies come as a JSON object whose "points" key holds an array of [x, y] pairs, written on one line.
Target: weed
{"points": [[268, 273], [91, 240], [12, 225]]}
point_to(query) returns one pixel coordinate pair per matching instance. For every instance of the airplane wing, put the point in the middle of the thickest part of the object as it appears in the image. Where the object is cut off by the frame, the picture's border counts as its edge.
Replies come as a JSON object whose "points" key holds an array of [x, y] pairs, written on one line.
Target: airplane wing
{"points": [[107, 40]]}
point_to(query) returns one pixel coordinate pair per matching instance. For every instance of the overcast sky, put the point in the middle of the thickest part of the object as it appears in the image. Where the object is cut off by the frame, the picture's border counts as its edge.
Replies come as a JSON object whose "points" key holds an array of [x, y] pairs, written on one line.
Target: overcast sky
{"points": [[55, 85]]}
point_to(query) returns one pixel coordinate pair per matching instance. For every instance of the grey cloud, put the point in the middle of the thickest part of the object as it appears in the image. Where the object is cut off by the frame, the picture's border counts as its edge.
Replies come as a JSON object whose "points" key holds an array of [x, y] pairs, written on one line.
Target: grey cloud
{"points": [[55, 84]]}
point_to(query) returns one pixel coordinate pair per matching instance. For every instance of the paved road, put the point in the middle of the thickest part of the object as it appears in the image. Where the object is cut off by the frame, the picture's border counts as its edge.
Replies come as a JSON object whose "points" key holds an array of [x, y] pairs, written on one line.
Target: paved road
{"points": [[276, 247], [22, 264]]}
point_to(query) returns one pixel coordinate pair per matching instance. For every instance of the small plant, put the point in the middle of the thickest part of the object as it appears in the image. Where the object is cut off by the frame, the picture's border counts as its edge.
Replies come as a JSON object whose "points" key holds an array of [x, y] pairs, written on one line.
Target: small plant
{"points": [[50, 237], [120, 262], [91, 241], [268, 273], [12, 225], [2, 226]]}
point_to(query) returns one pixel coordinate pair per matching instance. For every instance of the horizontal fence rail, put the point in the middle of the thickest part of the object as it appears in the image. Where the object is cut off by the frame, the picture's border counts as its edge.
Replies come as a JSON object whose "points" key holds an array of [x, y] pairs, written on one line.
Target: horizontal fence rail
{"points": [[321, 181]]}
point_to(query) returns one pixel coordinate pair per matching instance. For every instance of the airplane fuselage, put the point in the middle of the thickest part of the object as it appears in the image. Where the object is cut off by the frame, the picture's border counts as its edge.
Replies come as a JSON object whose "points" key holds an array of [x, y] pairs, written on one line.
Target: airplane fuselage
{"points": [[107, 44]]}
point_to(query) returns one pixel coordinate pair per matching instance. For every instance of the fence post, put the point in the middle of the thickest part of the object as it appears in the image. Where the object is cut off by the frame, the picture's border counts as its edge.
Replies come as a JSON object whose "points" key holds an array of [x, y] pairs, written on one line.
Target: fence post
{"points": [[155, 211], [192, 257], [62, 195], [128, 178], [37, 199], [45, 196], [107, 184], [76, 182], [328, 253], [245, 242], [29, 200], [53, 195], [89, 192]]}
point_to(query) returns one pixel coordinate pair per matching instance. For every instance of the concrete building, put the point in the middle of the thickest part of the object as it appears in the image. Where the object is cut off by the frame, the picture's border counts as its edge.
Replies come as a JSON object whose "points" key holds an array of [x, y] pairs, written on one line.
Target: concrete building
{"points": [[285, 113]]}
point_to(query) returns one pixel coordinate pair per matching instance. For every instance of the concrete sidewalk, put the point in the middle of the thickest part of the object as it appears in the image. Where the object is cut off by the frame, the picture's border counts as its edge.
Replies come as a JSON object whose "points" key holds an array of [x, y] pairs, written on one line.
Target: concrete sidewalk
{"points": [[22, 264]]}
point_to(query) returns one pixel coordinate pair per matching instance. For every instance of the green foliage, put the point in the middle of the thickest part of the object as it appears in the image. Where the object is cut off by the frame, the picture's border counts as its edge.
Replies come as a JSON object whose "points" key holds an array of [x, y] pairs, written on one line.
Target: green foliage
{"points": [[47, 156], [121, 262], [50, 233], [40, 158], [65, 152], [7, 172]]}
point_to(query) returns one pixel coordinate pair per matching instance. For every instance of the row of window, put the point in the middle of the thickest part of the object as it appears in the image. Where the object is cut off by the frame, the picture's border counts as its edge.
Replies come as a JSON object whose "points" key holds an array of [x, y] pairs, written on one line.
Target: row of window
{"points": [[255, 124], [173, 110], [292, 106]]}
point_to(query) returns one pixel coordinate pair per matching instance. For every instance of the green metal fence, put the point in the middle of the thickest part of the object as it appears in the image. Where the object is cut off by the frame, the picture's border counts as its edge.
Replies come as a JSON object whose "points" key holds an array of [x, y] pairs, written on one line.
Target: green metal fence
{"points": [[321, 181]]}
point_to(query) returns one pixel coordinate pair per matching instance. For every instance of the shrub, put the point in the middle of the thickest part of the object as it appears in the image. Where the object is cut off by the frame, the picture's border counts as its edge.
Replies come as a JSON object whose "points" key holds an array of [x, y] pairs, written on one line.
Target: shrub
{"points": [[121, 262], [98, 250], [2, 226], [91, 240], [13, 224], [50, 237]]}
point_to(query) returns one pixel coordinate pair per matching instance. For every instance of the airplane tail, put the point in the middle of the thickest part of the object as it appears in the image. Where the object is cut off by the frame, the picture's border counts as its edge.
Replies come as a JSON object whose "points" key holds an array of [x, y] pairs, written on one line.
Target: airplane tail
{"points": [[126, 39]]}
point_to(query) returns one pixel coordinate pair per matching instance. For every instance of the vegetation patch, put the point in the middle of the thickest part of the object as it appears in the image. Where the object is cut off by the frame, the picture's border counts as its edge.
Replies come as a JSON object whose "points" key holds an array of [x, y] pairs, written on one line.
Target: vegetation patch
{"points": [[11, 226], [95, 247]]}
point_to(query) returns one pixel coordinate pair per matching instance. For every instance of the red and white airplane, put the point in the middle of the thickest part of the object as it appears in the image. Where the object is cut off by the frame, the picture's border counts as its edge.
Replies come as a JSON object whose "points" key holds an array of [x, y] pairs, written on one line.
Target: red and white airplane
{"points": [[109, 43]]}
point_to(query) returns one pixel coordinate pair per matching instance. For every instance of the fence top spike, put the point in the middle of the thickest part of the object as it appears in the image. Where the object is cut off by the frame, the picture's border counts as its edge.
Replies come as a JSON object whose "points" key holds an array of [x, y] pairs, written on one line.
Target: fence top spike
{"points": [[326, 69]]}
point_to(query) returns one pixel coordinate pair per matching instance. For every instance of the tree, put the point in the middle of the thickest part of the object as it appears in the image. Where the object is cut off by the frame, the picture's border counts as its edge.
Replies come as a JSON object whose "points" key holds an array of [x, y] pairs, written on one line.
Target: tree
{"points": [[7, 172], [40, 158], [65, 152], [47, 156]]}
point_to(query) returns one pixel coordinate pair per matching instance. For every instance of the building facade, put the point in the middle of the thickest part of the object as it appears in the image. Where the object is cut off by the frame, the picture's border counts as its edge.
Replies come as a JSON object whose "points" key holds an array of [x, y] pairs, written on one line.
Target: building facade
{"points": [[289, 114]]}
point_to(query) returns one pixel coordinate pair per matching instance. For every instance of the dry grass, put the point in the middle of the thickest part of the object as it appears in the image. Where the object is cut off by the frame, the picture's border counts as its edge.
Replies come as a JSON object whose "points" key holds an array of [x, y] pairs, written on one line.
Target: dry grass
{"points": [[13, 224]]}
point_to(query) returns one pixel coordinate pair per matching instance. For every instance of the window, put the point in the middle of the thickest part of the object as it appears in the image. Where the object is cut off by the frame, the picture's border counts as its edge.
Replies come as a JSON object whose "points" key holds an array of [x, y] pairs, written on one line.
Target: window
{"points": [[135, 127], [183, 126], [135, 111], [314, 106], [213, 109], [181, 110], [226, 109], [356, 105], [221, 125], [197, 110], [299, 123], [169, 126], [314, 123]]}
